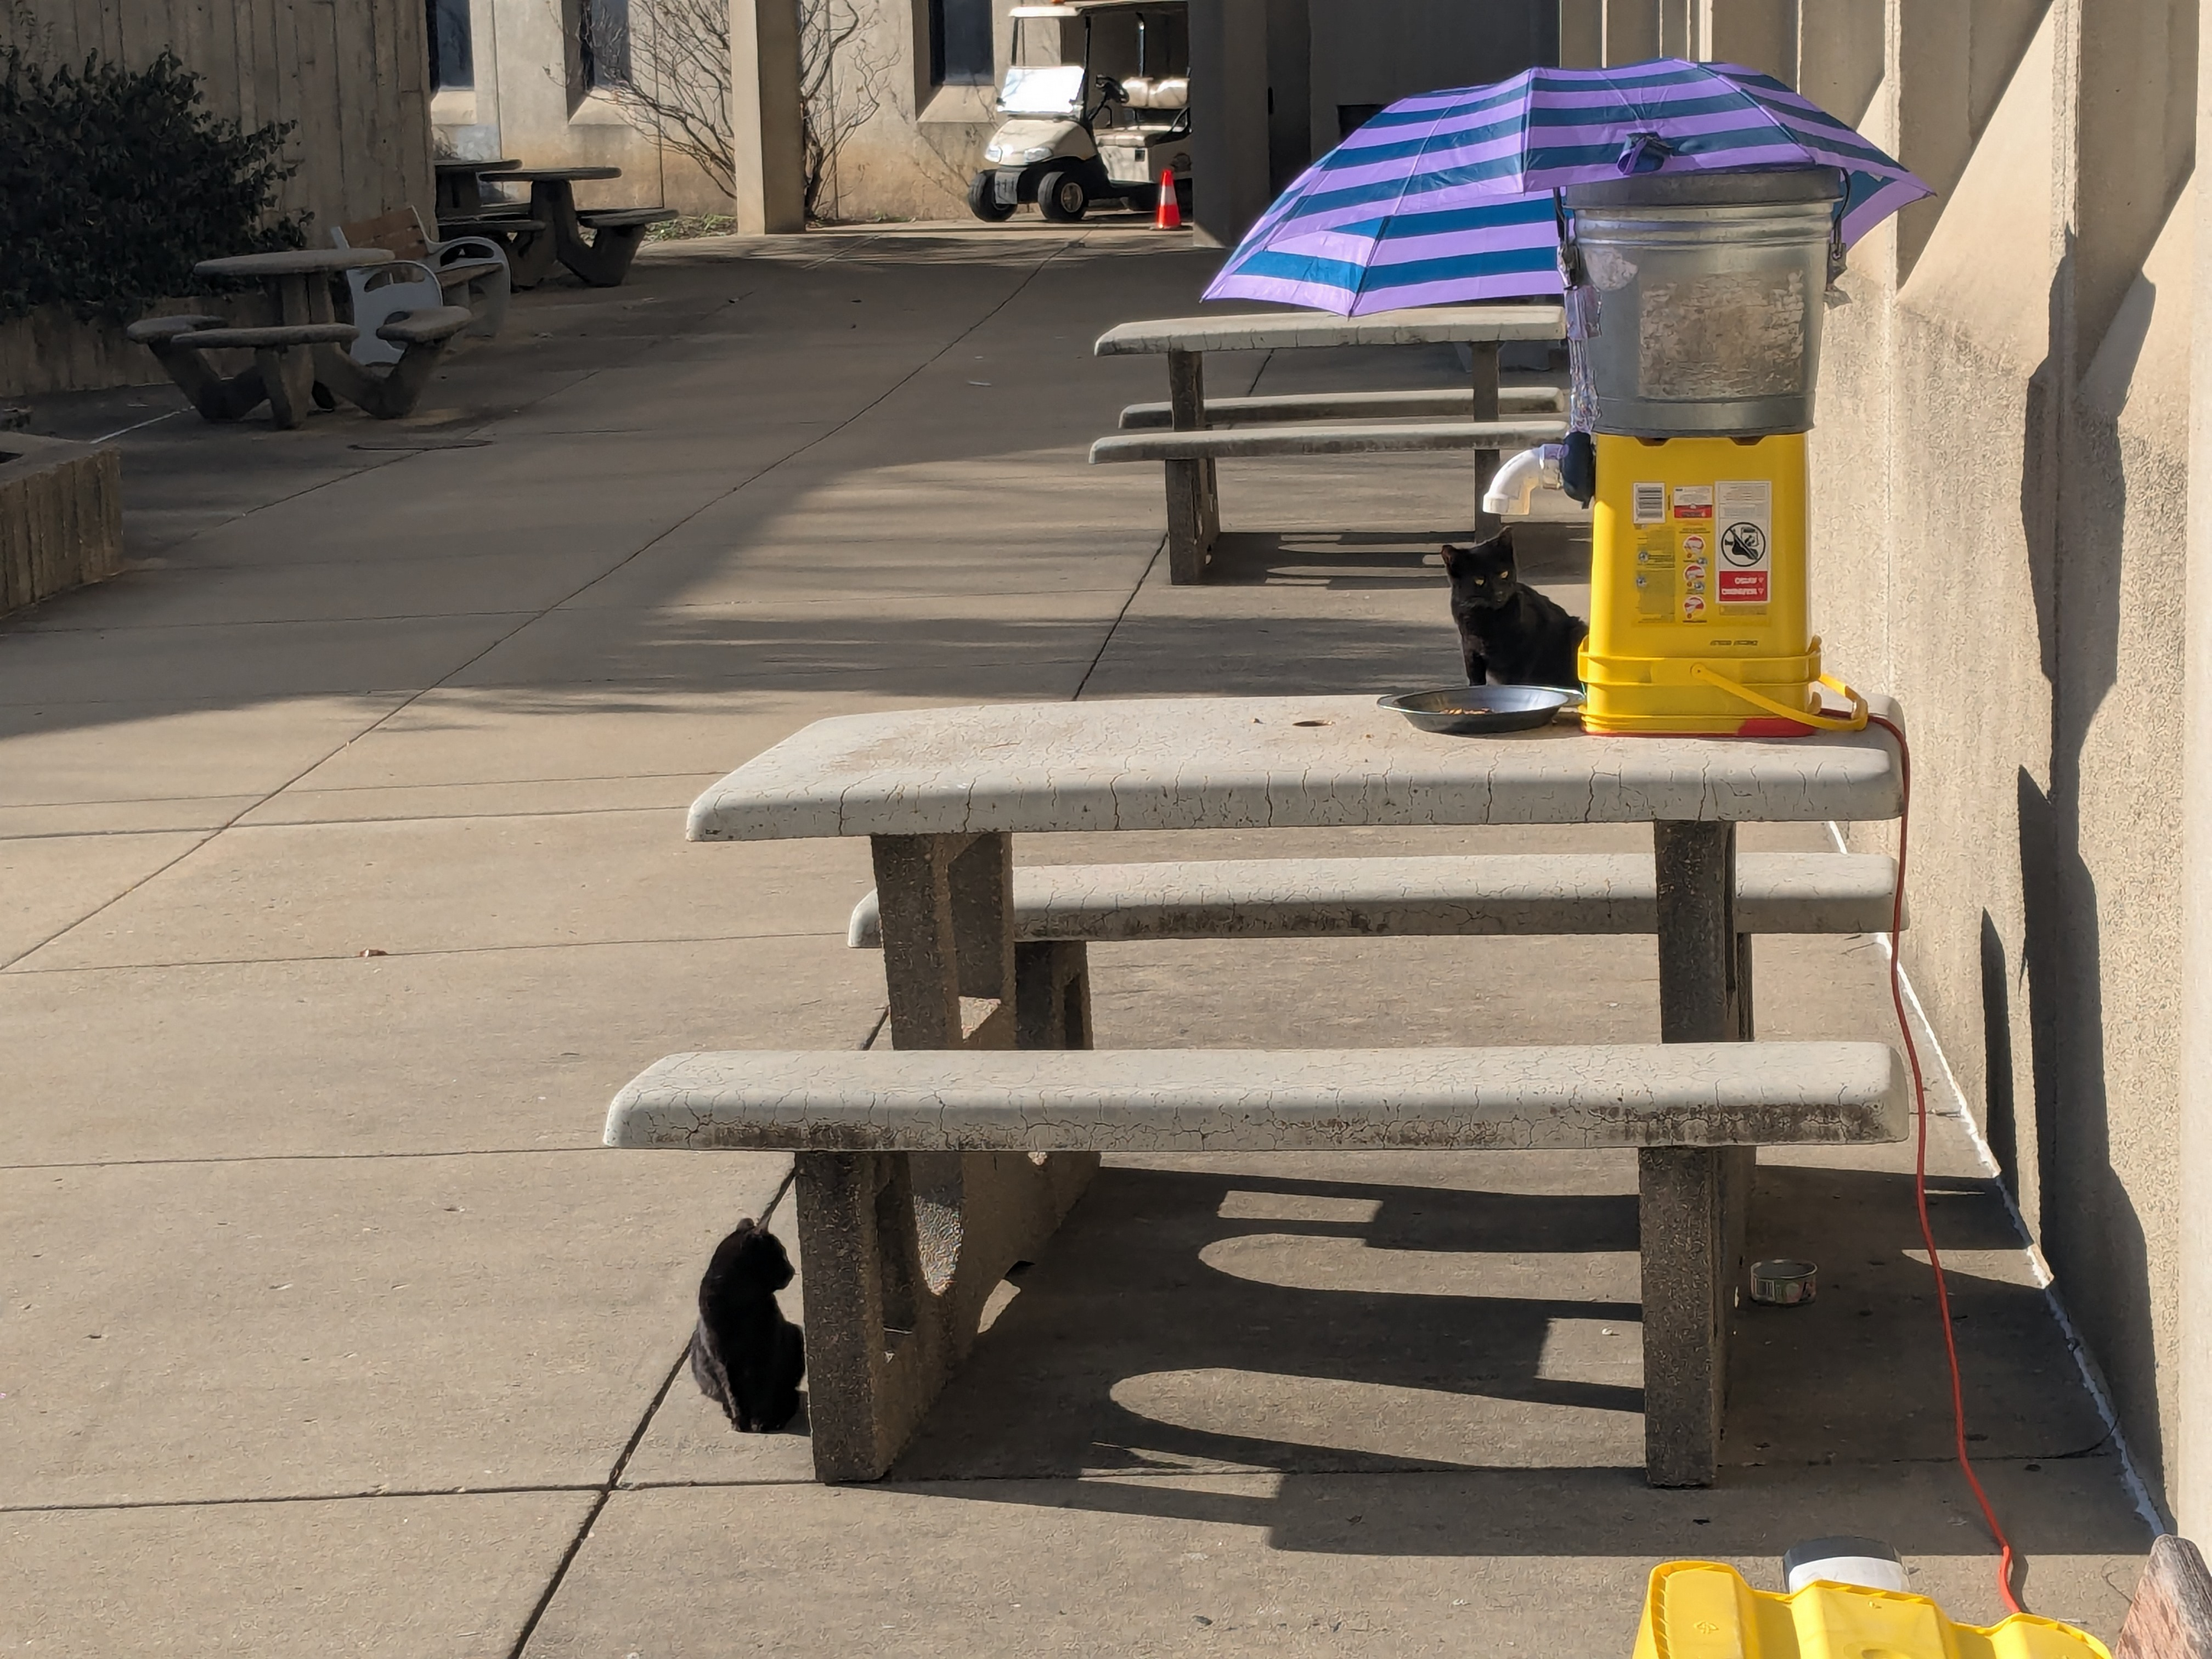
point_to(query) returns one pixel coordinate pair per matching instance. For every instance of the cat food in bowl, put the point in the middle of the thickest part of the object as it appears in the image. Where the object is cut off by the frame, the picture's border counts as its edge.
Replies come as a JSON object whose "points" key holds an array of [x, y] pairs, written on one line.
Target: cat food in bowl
{"points": [[1461, 709]]}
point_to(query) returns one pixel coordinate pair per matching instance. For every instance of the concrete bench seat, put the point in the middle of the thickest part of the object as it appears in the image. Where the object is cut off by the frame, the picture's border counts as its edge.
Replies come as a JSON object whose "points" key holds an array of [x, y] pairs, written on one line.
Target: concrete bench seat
{"points": [[925, 1174], [251, 339], [1442, 404], [623, 218], [1180, 1100], [1250, 443], [616, 235], [421, 327], [1500, 893]]}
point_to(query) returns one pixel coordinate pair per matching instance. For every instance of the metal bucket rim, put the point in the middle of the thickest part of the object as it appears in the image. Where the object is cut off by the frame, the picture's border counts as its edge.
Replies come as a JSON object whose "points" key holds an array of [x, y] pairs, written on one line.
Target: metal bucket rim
{"points": [[1714, 187]]}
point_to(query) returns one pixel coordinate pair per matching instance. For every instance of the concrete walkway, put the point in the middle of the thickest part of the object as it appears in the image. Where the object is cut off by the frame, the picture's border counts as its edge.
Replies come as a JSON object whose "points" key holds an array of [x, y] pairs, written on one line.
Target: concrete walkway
{"points": [[341, 846]]}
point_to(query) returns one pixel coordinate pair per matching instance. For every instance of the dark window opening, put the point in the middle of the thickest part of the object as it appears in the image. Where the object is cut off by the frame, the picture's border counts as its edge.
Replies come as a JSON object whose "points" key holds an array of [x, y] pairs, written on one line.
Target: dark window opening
{"points": [[452, 61], [960, 42], [603, 42]]}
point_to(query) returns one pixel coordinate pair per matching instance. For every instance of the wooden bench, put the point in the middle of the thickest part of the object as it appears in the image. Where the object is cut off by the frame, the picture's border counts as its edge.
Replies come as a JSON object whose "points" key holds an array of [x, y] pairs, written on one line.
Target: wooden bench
{"points": [[1194, 509], [1443, 403], [900, 1140]]}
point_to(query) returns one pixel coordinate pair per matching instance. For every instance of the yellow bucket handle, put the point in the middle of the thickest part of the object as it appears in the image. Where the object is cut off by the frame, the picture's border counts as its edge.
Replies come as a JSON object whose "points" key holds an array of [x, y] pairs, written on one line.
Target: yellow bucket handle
{"points": [[1854, 721]]}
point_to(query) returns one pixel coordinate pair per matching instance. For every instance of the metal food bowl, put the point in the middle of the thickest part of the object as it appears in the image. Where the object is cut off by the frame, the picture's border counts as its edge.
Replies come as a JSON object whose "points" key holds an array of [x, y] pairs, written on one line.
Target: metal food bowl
{"points": [[1782, 1283], [1462, 709]]}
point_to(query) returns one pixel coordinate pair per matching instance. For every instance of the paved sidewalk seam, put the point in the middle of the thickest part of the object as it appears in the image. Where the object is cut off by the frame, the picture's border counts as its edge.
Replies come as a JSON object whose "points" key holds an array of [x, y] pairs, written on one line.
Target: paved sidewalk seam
{"points": [[614, 1475], [444, 951]]}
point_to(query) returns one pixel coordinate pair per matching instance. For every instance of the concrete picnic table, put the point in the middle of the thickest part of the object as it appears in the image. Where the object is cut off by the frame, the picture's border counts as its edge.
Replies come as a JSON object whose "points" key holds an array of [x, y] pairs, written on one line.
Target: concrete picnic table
{"points": [[942, 792], [460, 188], [301, 359], [1193, 494], [603, 261]]}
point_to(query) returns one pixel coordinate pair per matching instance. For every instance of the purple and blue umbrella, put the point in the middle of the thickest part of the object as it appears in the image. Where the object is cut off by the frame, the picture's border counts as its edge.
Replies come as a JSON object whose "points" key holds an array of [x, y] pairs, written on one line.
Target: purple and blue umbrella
{"points": [[1449, 197]]}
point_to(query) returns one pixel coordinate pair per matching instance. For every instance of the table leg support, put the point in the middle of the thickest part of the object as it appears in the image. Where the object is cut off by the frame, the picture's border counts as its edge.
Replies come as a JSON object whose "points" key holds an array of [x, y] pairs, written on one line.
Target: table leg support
{"points": [[1692, 1201], [900, 1250], [1194, 500], [1485, 408]]}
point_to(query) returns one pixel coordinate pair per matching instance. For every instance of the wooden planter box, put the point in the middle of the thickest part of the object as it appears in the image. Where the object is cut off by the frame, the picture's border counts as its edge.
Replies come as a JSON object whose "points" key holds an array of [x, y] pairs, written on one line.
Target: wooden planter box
{"points": [[61, 516]]}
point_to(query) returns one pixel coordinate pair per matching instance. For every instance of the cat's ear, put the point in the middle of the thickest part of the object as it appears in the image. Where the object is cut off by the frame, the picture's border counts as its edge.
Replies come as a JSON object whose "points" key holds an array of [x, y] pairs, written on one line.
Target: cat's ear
{"points": [[1503, 541], [1454, 558]]}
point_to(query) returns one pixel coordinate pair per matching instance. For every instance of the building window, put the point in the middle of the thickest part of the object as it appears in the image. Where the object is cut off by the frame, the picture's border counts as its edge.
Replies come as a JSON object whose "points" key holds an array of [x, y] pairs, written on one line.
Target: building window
{"points": [[960, 42], [453, 63], [603, 36]]}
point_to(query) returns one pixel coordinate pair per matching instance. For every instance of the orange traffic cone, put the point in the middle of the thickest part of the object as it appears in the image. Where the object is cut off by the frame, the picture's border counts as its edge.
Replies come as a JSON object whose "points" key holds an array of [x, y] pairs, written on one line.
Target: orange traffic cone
{"points": [[1169, 216]]}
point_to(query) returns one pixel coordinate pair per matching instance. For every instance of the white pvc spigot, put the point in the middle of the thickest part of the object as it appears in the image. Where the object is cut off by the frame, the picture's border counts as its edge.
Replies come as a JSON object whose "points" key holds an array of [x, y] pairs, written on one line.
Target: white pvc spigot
{"points": [[1513, 492]]}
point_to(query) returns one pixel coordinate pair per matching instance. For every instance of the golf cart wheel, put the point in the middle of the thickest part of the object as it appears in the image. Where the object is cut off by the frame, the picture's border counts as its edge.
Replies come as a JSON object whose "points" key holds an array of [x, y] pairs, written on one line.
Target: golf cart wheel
{"points": [[983, 198], [1063, 195]]}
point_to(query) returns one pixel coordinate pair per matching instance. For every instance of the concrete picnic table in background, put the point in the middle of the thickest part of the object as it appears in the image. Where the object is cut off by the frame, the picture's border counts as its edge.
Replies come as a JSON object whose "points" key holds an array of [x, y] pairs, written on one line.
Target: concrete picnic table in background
{"points": [[301, 358], [603, 261], [1193, 495], [941, 792], [460, 190], [465, 210]]}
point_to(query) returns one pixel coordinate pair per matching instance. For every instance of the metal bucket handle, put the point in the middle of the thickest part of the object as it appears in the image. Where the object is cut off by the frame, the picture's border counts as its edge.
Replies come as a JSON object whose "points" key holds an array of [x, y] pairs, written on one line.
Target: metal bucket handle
{"points": [[1854, 721]]}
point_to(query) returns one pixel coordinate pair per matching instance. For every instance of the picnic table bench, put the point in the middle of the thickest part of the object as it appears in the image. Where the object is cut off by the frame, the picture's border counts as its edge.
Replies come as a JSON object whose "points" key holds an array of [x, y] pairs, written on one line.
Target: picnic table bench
{"points": [[922, 1177], [301, 358], [603, 258], [1191, 449]]}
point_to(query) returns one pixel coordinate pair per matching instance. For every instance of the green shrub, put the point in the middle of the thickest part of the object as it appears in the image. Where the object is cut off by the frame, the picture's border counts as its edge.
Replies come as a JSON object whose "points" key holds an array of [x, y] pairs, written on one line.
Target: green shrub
{"points": [[114, 182]]}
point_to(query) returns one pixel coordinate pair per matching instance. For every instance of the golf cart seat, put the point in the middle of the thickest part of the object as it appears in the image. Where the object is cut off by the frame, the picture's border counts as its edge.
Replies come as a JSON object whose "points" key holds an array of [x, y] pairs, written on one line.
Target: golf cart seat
{"points": [[1168, 92]]}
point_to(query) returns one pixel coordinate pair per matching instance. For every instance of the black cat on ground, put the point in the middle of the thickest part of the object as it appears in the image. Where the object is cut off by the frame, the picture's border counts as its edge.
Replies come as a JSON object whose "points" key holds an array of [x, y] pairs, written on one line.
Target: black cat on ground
{"points": [[745, 1356], [1509, 633]]}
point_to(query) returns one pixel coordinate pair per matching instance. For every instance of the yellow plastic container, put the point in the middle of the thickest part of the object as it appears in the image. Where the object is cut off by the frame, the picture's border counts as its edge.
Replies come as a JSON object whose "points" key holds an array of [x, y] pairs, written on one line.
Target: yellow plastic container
{"points": [[1698, 591], [1700, 1610]]}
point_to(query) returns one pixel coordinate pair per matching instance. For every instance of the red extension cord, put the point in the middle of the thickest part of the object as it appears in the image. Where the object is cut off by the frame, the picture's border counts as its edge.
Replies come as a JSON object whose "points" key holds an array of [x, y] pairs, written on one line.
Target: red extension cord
{"points": [[2006, 1559]]}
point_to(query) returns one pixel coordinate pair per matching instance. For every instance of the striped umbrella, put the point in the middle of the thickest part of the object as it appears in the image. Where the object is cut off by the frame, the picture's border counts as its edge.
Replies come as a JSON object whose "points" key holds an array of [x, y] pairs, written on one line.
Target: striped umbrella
{"points": [[1447, 196]]}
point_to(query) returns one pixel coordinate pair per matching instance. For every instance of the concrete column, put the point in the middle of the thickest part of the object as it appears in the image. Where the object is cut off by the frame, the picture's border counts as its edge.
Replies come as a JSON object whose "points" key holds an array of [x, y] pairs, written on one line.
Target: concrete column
{"points": [[2190, 1478], [1229, 117], [1632, 31], [1760, 34], [1581, 33], [1930, 55], [765, 127], [1290, 93], [1839, 55], [2135, 134]]}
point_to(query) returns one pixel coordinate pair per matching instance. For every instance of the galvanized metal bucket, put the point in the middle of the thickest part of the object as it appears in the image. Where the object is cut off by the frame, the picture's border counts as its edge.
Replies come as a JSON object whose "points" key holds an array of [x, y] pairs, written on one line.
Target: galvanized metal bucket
{"points": [[1711, 291]]}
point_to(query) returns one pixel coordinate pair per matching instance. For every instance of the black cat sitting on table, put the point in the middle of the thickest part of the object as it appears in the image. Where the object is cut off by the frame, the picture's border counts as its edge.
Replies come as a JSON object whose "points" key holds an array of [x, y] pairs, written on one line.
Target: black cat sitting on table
{"points": [[1509, 633]]}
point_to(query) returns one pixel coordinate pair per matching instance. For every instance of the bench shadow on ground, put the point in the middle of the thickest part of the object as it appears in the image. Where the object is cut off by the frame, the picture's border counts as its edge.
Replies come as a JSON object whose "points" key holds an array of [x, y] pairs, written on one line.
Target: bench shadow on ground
{"points": [[1229, 1318]]}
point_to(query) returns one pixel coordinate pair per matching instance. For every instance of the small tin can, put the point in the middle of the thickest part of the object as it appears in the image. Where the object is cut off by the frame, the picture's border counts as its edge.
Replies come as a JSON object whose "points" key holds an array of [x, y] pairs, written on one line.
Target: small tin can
{"points": [[1782, 1283]]}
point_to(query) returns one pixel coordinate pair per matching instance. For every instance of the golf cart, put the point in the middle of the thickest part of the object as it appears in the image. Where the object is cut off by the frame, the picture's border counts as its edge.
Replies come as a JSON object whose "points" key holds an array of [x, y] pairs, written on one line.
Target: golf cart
{"points": [[1074, 134]]}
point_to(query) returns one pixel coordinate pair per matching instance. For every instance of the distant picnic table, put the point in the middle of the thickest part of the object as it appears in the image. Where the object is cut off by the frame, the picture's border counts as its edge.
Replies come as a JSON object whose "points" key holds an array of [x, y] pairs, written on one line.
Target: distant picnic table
{"points": [[1197, 434]]}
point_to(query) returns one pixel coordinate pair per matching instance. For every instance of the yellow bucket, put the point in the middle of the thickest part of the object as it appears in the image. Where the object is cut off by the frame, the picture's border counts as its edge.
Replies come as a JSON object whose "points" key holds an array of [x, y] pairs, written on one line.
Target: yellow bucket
{"points": [[1698, 591], [1701, 1610]]}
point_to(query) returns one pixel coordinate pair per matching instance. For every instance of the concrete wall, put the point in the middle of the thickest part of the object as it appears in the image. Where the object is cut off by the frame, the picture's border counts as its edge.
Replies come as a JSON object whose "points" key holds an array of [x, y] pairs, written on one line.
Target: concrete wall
{"points": [[351, 73], [1274, 75], [2000, 529], [529, 102]]}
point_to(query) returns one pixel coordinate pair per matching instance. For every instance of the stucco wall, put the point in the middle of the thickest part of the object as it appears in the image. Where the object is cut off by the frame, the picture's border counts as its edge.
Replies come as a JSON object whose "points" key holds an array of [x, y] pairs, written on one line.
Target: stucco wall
{"points": [[526, 104], [913, 157], [2000, 527]]}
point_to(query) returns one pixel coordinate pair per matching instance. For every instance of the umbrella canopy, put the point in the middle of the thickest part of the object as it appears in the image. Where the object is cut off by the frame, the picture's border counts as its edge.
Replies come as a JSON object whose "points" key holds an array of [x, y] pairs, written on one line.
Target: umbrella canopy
{"points": [[1447, 196]]}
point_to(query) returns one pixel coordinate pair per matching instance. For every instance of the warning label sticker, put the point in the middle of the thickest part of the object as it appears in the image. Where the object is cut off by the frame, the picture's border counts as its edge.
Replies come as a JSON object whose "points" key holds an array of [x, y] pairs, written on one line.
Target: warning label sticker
{"points": [[1693, 501], [1647, 503], [1744, 523]]}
